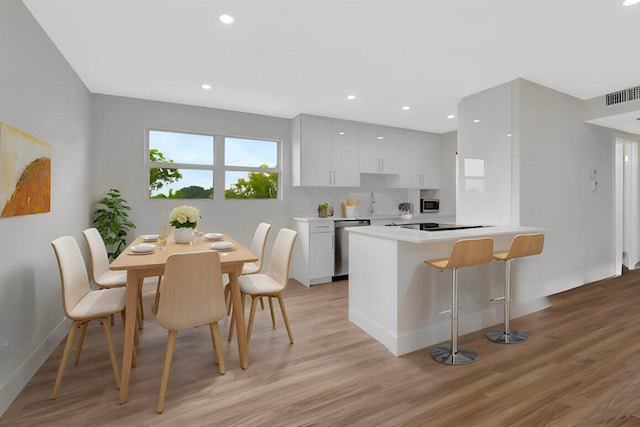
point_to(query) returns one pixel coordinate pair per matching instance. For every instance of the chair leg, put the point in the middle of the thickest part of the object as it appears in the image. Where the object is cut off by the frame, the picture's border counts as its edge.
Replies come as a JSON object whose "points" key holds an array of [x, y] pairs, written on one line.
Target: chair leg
{"points": [[158, 291], [261, 303], [286, 319], [254, 303], [273, 316], [506, 335], [112, 354], [452, 354], [140, 304], [217, 345], [232, 325], [227, 299], [65, 357], [83, 332], [171, 346]]}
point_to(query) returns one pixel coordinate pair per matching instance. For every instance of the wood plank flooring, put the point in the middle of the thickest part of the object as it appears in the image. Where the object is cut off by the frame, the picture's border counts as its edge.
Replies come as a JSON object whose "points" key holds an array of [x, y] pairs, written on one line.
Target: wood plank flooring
{"points": [[580, 367]]}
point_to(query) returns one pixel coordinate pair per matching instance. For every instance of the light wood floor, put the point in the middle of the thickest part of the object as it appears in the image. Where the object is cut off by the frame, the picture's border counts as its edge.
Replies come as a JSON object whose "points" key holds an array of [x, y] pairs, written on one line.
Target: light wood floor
{"points": [[580, 366]]}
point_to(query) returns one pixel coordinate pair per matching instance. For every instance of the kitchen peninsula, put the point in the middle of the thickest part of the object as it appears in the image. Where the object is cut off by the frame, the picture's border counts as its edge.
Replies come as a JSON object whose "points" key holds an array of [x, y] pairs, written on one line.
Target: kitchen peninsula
{"points": [[397, 299]]}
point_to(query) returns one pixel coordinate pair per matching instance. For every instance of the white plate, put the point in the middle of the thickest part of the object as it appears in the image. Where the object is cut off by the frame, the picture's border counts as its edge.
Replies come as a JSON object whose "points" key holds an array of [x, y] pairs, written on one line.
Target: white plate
{"points": [[213, 236], [150, 238], [143, 248], [222, 246]]}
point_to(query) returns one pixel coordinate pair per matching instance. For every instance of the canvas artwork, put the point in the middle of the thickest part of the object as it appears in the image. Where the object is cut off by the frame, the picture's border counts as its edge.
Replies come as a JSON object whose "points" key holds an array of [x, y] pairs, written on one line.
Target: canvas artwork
{"points": [[25, 173]]}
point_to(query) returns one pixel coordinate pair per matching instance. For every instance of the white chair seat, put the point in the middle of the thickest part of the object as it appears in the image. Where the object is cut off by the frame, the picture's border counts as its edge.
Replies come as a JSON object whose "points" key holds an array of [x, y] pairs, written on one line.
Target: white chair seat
{"points": [[112, 278], [258, 284], [251, 267], [99, 303]]}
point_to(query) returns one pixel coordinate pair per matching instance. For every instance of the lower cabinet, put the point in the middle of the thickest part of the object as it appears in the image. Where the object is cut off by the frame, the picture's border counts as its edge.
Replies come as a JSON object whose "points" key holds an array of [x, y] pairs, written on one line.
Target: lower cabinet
{"points": [[313, 259]]}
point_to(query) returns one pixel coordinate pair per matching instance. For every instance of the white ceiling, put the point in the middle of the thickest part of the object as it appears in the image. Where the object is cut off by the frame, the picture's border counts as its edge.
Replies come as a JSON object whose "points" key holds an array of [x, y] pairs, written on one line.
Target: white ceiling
{"points": [[284, 57]]}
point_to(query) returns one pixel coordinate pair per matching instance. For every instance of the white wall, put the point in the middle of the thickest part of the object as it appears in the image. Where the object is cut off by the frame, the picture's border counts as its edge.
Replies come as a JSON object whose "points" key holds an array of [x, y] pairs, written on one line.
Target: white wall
{"points": [[41, 95]]}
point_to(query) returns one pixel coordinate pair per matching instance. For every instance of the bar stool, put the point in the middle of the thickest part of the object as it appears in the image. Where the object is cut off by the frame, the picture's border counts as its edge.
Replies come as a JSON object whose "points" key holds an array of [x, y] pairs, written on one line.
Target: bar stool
{"points": [[521, 246], [465, 253]]}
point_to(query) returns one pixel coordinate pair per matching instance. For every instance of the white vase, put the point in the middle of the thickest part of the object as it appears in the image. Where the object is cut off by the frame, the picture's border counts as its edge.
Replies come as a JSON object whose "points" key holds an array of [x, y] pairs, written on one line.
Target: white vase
{"points": [[183, 235]]}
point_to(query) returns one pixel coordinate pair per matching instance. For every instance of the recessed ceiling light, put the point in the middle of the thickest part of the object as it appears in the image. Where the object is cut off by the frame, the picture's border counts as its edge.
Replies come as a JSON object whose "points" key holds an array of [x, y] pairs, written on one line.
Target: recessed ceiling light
{"points": [[476, 121], [340, 133], [351, 97], [508, 134], [451, 116], [406, 108], [630, 2], [206, 86], [379, 137], [226, 19]]}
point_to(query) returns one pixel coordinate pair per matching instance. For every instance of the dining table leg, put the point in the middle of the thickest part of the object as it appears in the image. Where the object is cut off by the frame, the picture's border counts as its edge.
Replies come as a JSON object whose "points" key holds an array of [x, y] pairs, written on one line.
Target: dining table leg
{"points": [[133, 283], [238, 313]]}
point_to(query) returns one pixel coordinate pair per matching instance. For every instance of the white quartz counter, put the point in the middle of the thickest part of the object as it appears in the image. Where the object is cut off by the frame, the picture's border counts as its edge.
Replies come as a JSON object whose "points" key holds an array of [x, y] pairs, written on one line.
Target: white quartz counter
{"points": [[418, 236]]}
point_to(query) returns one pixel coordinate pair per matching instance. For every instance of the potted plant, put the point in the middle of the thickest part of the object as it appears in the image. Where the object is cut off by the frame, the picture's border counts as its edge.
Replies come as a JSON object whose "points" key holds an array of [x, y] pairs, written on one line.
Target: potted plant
{"points": [[405, 210], [113, 223], [184, 220]]}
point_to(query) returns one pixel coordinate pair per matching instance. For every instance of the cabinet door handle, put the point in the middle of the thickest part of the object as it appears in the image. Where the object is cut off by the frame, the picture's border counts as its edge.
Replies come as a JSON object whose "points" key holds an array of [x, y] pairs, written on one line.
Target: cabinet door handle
{"points": [[382, 165], [334, 177], [329, 177]]}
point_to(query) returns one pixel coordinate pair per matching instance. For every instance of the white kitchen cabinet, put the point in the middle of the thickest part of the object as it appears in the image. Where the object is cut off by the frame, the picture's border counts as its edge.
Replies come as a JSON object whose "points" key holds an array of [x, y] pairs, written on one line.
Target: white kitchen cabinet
{"points": [[379, 149], [419, 161], [325, 152], [313, 261]]}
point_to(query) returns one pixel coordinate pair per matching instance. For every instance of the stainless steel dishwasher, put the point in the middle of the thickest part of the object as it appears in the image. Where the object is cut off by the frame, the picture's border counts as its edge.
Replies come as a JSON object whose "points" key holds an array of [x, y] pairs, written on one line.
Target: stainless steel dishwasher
{"points": [[341, 264]]}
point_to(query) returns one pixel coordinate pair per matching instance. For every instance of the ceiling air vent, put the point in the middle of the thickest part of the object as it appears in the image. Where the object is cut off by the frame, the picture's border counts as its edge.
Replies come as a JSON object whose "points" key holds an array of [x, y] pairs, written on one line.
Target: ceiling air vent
{"points": [[623, 96]]}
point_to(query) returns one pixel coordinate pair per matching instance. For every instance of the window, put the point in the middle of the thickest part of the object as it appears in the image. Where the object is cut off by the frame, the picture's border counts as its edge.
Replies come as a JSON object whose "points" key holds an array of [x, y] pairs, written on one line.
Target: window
{"points": [[250, 168], [180, 165]]}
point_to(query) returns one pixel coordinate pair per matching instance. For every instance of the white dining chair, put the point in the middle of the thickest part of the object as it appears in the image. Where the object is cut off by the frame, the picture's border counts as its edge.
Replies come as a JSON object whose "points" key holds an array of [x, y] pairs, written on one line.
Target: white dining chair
{"points": [[273, 282], [258, 245], [82, 305], [192, 295], [104, 277]]}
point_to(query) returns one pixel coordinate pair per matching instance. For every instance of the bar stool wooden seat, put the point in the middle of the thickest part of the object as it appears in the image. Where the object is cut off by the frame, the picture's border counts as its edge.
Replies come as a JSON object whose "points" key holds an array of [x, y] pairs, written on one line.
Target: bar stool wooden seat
{"points": [[465, 253], [522, 245]]}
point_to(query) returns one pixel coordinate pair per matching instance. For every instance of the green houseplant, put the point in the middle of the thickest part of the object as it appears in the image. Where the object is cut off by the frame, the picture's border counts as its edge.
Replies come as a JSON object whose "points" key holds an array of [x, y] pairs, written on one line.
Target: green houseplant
{"points": [[112, 221]]}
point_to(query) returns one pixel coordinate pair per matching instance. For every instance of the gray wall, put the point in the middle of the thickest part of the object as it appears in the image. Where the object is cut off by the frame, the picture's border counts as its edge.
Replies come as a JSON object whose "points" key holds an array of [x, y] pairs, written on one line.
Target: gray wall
{"points": [[118, 136], [41, 95]]}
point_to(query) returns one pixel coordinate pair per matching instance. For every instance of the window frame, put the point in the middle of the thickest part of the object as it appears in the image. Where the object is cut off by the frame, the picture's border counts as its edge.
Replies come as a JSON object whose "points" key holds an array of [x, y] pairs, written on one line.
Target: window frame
{"points": [[217, 166], [230, 168]]}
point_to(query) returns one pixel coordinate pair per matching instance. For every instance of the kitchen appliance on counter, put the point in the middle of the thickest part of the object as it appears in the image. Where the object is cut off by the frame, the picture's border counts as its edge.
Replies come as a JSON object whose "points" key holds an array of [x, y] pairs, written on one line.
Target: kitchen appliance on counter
{"points": [[341, 250], [429, 205]]}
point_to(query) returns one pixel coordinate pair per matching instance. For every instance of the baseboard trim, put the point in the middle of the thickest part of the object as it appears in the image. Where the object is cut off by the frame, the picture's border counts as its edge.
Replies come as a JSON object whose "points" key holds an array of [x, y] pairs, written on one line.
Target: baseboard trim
{"points": [[13, 385]]}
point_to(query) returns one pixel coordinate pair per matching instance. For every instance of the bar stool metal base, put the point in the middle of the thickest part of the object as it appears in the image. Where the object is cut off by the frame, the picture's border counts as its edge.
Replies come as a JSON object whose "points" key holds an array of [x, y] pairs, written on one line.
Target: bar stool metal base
{"points": [[512, 337], [443, 354]]}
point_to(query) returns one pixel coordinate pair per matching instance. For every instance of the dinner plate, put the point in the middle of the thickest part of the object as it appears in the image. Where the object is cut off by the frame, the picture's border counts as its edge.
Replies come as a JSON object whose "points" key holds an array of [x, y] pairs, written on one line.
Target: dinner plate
{"points": [[222, 246], [150, 238], [143, 248], [213, 236]]}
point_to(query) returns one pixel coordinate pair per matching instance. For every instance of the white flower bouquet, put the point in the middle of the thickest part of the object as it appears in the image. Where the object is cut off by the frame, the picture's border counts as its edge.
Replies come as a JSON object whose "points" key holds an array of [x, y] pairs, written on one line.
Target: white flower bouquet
{"points": [[184, 217]]}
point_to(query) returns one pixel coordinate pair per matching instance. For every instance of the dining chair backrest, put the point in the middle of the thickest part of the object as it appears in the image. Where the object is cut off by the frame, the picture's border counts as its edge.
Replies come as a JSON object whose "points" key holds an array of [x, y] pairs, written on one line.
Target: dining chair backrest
{"points": [[97, 253], [281, 256], [259, 243], [73, 274], [192, 291]]}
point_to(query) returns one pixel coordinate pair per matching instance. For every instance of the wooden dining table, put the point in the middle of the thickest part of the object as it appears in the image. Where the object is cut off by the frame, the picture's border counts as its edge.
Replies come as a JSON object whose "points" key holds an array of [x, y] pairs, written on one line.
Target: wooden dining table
{"points": [[138, 266]]}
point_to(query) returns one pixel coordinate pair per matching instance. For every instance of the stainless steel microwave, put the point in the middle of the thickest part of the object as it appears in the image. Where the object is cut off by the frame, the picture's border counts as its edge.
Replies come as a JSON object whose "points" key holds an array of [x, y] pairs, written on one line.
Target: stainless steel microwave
{"points": [[429, 205]]}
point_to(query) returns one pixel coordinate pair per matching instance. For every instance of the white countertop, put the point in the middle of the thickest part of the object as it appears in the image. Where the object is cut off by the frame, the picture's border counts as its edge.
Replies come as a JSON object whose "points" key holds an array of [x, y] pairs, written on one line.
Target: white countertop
{"points": [[419, 236]]}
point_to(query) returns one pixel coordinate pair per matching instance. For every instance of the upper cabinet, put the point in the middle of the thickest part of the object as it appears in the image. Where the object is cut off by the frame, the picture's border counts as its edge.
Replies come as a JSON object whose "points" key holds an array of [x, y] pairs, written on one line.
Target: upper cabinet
{"points": [[419, 161], [379, 149], [325, 152]]}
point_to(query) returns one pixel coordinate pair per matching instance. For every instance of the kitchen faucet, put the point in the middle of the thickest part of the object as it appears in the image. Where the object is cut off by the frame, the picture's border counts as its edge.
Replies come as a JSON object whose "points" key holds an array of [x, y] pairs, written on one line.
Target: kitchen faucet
{"points": [[373, 202]]}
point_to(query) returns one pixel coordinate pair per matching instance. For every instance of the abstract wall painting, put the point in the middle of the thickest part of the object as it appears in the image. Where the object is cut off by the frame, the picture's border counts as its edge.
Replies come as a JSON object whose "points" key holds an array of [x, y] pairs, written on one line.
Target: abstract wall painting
{"points": [[25, 173]]}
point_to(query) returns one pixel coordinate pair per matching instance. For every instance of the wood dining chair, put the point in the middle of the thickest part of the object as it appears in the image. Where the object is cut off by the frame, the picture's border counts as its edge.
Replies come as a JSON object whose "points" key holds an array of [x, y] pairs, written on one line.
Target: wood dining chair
{"points": [[273, 282], [101, 275], [192, 295], [82, 305]]}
